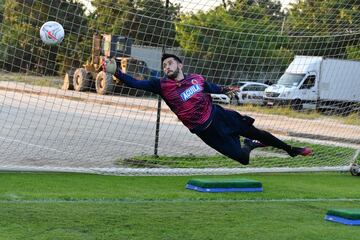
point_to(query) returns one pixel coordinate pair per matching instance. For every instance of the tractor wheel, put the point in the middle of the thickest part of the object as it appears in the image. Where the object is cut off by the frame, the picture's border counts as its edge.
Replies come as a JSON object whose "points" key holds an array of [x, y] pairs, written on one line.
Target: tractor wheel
{"points": [[104, 83], [81, 80], [68, 80]]}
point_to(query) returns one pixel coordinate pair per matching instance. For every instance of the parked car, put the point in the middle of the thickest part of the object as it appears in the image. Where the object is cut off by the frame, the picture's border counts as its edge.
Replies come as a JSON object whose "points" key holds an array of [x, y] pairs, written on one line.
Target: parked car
{"points": [[251, 93], [220, 98]]}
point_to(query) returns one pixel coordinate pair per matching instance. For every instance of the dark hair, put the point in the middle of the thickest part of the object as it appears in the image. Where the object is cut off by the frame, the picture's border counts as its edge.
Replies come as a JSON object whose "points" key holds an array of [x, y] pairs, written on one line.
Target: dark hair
{"points": [[168, 55]]}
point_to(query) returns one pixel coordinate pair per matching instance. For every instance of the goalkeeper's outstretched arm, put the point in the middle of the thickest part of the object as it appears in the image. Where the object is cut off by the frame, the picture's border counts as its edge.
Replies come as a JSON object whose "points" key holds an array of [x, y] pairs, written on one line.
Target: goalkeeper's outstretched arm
{"points": [[151, 85], [213, 88]]}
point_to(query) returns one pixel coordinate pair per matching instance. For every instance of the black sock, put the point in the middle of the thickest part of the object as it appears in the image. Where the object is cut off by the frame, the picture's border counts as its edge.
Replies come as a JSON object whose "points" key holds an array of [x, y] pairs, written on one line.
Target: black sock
{"points": [[269, 139]]}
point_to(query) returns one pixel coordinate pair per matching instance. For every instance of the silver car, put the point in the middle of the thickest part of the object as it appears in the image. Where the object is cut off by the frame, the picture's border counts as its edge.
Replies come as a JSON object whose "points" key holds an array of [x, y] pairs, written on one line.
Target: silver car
{"points": [[220, 98], [251, 93]]}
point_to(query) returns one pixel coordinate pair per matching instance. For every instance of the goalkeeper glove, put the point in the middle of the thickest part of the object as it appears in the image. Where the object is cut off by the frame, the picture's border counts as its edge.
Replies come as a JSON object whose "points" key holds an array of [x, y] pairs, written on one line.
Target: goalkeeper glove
{"points": [[109, 65], [230, 90]]}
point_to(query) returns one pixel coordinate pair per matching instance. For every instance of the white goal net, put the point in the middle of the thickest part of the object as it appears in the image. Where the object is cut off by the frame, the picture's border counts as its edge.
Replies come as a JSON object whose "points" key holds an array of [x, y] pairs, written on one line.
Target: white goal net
{"points": [[297, 64]]}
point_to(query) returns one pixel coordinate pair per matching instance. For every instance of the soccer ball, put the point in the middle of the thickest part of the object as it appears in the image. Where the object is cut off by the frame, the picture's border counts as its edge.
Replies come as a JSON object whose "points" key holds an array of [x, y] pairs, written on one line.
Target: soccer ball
{"points": [[355, 169], [52, 33]]}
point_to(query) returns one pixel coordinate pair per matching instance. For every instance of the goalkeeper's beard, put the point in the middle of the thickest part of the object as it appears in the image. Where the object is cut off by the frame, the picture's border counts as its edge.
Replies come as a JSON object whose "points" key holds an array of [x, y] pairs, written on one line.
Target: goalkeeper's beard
{"points": [[174, 74]]}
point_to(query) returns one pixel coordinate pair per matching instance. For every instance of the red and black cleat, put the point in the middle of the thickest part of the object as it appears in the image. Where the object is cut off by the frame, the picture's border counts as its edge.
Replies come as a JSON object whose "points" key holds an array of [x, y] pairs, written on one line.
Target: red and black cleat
{"points": [[295, 151]]}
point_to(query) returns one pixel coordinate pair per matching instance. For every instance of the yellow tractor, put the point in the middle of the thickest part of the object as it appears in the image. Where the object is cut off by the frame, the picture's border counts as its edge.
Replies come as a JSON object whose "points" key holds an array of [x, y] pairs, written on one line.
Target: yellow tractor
{"points": [[91, 77]]}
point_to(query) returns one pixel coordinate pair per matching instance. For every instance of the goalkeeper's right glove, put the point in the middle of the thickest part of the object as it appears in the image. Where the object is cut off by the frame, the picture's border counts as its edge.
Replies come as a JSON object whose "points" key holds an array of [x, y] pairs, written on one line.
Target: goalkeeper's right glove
{"points": [[109, 65]]}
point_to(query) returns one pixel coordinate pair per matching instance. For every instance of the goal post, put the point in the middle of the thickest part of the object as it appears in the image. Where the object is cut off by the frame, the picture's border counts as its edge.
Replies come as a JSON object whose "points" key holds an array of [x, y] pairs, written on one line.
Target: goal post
{"points": [[297, 65]]}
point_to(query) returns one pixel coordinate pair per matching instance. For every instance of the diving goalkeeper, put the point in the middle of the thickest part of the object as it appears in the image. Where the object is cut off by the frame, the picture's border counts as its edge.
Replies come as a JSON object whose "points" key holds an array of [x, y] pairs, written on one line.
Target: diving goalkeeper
{"points": [[188, 96]]}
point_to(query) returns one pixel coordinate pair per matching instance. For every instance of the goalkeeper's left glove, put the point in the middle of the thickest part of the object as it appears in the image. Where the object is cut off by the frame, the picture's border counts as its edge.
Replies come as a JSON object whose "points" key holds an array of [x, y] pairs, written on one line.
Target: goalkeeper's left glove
{"points": [[230, 90], [109, 65]]}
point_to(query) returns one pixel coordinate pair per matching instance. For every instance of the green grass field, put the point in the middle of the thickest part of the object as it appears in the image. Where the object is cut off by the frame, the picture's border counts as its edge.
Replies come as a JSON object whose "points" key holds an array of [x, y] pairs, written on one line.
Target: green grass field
{"points": [[81, 206]]}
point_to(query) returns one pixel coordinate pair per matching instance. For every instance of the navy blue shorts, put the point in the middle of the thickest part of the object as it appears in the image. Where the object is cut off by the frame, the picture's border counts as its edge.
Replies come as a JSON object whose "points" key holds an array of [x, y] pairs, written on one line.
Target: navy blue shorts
{"points": [[223, 134]]}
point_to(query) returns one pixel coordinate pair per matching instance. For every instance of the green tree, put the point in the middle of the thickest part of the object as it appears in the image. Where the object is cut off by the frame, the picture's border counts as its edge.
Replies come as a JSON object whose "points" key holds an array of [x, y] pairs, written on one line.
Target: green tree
{"points": [[2, 3], [234, 42], [148, 22], [23, 49], [109, 16], [256, 9], [324, 28]]}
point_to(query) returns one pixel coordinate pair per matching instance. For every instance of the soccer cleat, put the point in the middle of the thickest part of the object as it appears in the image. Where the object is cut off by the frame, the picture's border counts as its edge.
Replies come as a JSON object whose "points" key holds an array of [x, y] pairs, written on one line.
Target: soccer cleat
{"points": [[252, 144], [295, 151]]}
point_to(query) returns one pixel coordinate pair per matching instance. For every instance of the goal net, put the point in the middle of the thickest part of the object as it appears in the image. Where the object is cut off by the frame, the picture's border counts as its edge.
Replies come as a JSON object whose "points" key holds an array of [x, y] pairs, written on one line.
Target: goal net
{"points": [[295, 61]]}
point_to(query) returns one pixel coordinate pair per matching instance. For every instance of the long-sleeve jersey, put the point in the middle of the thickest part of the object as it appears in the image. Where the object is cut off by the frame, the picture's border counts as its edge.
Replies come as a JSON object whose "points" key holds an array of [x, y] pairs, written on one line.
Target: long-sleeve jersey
{"points": [[187, 98]]}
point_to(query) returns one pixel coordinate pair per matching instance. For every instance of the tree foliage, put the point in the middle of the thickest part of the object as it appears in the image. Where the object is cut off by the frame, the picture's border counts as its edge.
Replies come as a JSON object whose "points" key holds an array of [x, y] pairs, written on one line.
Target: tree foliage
{"points": [[2, 3], [252, 36], [241, 38], [324, 28], [23, 49], [148, 22]]}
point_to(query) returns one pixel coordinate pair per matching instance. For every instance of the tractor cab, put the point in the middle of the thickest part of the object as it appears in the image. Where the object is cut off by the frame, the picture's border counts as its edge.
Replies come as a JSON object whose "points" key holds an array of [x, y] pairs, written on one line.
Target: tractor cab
{"points": [[119, 48], [113, 46]]}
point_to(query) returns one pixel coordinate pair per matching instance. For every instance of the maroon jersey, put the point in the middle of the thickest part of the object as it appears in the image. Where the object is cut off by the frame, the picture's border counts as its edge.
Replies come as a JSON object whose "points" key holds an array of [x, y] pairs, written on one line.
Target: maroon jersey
{"points": [[189, 98], [186, 98]]}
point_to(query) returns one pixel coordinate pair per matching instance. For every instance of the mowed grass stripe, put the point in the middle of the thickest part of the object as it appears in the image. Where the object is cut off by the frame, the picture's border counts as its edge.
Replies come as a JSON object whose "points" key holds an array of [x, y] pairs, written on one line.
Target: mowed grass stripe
{"points": [[83, 206], [114, 221], [140, 201], [65, 186]]}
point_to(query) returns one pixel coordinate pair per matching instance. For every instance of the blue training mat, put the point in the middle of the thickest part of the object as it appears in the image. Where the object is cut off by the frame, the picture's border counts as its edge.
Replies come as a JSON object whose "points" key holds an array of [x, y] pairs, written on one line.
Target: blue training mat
{"points": [[200, 189], [342, 220]]}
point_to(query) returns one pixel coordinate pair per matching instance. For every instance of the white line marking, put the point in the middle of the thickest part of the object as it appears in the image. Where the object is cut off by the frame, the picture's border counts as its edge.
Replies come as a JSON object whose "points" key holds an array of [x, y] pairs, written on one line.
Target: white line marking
{"points": [[127, 142], [137, 201], [35, 145]]}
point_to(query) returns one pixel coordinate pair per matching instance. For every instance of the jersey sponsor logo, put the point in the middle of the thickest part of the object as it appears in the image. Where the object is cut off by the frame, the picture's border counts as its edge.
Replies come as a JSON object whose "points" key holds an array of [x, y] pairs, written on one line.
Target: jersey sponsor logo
{"points": [[188, 93], [194, 81]]}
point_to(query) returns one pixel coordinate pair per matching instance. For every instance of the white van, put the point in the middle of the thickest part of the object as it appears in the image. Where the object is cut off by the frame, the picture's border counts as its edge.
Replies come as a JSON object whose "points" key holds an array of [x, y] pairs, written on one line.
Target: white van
{"points": [[317, 83]]}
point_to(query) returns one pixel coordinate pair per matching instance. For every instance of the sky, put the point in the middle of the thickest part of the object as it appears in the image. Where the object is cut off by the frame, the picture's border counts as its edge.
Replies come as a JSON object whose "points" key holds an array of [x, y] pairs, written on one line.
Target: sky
{"points": [[194, 5], [203, 4]]}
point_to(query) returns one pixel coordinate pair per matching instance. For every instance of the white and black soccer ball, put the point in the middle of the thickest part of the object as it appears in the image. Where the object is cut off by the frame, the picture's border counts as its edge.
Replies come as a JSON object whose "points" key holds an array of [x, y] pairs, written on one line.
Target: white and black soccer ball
{"points": [[52, 33], [355, 169]]}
